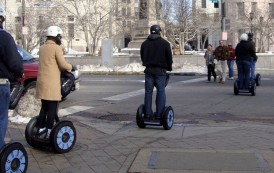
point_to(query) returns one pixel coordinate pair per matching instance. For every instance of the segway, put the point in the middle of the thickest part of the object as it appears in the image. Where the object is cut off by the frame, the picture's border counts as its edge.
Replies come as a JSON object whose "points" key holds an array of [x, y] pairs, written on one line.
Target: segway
{"points": [[251, 89], [14, 158], [166, 120], [258, 79], [62, 137]]}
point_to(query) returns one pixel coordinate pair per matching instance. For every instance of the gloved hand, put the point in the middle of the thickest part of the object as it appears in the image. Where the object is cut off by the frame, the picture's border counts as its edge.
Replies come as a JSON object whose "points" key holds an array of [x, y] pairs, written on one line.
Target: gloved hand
{"points": [[74, 67]]}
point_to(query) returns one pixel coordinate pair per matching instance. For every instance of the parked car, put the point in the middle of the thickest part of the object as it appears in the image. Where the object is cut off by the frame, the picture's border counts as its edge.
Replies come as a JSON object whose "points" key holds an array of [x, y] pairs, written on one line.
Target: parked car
{"points": [[28, 82]]}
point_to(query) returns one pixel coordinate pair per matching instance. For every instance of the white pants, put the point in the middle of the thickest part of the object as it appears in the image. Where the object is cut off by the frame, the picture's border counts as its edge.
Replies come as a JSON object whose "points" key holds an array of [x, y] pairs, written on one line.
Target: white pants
{"points": [[221, 69]]}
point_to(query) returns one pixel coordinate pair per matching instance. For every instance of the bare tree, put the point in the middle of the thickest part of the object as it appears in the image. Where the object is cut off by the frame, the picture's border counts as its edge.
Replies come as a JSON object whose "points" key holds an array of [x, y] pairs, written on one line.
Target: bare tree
{"points": [[180, 24], [92, 18]]}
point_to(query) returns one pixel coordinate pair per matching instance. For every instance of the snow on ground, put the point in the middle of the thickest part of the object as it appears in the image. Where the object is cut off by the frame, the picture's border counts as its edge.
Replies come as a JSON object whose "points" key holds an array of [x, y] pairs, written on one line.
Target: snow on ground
{"points": [[29, 107]]}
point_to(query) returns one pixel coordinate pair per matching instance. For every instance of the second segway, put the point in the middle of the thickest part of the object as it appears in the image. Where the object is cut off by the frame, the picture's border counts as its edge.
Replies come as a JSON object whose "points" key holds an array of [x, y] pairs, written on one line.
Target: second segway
{"points": [[251, 89], [166, 120], [62, 137], [14, 158]]}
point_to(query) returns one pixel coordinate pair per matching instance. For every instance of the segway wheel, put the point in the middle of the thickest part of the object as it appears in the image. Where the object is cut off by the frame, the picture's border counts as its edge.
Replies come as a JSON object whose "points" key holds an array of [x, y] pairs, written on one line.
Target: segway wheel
{"points": [[14, 158], [258, 79], [236, 88], [63, 136], [30, 131], [140, 117], [253, 88], [168, 118]]}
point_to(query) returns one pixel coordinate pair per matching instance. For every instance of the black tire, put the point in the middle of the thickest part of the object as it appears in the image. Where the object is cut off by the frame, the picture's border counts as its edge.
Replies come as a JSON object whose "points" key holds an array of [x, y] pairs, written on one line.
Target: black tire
{"points": [[14, 158], [236, 87], [30, 131], [258, 79], [29, 86], [168, 118], [63, 136], [253, 88], [140, 116]]}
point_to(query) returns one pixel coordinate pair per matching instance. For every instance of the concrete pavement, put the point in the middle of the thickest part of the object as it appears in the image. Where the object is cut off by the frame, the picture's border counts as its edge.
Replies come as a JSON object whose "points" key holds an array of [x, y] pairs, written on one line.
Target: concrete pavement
{"points": [[107, 146], [210, 146]]}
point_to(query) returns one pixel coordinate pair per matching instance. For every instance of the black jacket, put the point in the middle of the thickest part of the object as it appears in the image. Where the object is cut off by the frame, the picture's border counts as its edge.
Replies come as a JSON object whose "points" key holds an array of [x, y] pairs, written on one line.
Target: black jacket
{"points": [[244, 51], [156, 54], [11, 62]]}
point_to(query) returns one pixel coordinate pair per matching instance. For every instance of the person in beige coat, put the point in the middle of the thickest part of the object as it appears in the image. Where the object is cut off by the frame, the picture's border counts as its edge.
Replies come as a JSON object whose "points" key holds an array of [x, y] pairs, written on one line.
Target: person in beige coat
{"points": [[48, 86]]}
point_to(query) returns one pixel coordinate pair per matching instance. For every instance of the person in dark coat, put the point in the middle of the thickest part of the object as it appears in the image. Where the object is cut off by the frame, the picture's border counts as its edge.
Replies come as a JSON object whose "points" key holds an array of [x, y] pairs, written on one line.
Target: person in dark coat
{"points": [[156, 56], [11, 67], [244, 52]]}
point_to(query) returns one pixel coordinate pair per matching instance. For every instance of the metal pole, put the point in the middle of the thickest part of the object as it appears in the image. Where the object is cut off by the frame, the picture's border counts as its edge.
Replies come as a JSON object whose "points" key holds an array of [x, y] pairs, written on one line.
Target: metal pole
{"points": [[23, 23]]}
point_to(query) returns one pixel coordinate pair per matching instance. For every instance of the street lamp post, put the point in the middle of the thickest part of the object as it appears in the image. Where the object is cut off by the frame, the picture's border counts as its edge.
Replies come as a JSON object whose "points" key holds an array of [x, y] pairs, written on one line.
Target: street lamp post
{"points": [[251, 16]]}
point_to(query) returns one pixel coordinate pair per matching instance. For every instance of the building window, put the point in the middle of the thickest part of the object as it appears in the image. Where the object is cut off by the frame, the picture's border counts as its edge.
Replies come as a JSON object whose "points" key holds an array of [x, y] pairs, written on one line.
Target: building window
{"points": [[240, 10], [203, 3], [71, 18], [216, 5], [136, 11], [124, 23], [71, 30], [124, 11], [254, 6], [18, 19], [129, 24], [271, 10], [128, 11]]}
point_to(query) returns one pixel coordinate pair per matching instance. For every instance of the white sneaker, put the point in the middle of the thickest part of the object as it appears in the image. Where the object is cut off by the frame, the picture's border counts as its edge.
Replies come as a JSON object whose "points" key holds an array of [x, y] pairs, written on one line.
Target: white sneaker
{"points": [[48, 134], [42, 131]]}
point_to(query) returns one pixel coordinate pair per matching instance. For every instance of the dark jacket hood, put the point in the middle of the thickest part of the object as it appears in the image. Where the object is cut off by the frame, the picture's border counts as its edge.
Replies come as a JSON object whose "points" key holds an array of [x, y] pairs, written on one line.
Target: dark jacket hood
{"points": [[153, 36]]}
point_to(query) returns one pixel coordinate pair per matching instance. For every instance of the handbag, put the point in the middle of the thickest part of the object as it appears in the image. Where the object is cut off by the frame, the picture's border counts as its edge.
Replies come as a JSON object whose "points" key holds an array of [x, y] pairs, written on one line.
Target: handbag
{"points": [[67, 82]]}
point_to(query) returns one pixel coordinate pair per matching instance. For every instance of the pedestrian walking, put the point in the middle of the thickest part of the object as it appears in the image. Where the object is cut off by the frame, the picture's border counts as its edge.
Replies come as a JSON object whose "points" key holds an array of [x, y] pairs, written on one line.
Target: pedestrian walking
{"points": [[48, 86], [209, 59], [11, 67], [221, 53], [244, 52], [230, 61], [156, 56]]}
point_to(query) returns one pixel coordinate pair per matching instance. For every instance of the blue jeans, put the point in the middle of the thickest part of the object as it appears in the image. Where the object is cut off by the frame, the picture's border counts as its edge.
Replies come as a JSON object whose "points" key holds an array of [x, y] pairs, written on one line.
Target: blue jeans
{"points": [[243, 74], [252, 68], [4, 107], [159, 81], [230, 64]]}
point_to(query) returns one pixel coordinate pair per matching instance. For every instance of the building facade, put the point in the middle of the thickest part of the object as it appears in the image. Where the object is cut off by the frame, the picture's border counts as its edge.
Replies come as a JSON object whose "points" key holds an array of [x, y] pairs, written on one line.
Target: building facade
{"points": [[83, 22], [237, 17]]}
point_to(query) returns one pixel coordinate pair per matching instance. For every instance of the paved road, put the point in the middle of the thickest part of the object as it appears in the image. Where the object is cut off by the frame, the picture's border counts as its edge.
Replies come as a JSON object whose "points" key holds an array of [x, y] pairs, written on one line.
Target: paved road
{"points": [[214, 131]]}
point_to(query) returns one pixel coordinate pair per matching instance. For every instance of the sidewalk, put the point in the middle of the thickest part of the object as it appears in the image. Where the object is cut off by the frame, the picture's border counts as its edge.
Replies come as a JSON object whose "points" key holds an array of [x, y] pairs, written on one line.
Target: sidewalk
{"points": [[107, 146]]}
